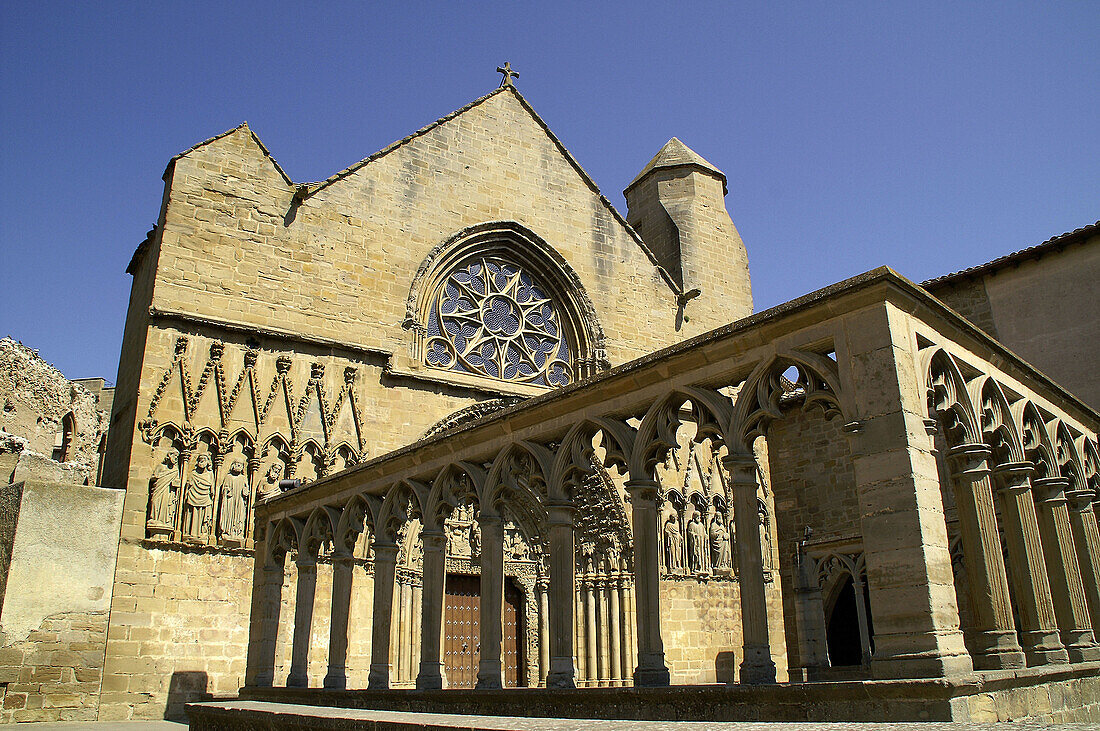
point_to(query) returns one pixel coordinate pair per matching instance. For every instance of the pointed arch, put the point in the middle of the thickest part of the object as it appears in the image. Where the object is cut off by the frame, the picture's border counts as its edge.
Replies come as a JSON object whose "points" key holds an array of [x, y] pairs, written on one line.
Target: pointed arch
{"points": [[355, 518], [1038, 445], [999, 430], [1090, 456], [758, 400], [711, 412], [521, 247], [949, 399], [319, 531], [283, 538], [457, 484], [403, 501], [1070, 463], [523, 466]]}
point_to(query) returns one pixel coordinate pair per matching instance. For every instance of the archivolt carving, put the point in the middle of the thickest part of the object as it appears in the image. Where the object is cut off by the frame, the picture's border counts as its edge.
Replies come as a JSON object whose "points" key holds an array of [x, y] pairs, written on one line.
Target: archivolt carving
{"points": [[470, 413]]}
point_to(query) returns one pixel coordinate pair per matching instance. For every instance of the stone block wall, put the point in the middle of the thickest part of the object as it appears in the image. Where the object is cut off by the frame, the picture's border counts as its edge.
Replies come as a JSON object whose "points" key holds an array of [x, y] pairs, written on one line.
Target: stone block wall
{"points": [[59, 545], [813, 486]]}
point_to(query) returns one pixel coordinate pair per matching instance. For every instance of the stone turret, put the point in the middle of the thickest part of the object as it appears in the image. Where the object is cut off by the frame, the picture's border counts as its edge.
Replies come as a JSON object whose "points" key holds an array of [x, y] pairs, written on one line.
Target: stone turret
{"points": [[676, 204]]}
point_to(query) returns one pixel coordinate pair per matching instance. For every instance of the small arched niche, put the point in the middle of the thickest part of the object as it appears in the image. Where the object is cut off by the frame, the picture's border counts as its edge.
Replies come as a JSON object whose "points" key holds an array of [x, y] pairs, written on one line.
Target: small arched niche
{"points": [[496, 301]]}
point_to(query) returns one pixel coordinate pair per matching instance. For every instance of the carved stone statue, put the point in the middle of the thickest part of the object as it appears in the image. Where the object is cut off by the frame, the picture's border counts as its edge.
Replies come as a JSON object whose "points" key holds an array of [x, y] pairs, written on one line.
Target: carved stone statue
{"points": [[233, 498], [165, 481], [198, 499], [475, 539], [269, 486], [674, 544], [719, 544], [697, 543]]}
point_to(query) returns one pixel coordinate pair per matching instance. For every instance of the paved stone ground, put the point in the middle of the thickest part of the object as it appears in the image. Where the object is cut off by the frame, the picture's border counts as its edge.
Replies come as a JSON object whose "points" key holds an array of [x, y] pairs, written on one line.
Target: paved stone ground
{"points": [[393, 719], [104, 726]]}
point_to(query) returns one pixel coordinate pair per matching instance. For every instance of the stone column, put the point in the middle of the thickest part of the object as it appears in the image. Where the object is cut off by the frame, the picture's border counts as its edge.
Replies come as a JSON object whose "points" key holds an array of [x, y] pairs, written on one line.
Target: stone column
{"points": [[1086, 540], [613, 590], [913, 607], [861, 619], [544, 631], [590, 629], [603, 631], [342, 568], [579, 636], [652, 670], [263, 629], [1066, 587], [404, 622], [1038, 625], [757, 665], [993, 638], [303, 620], [489, 671], [562, 668], [431, 674], [385, 566], [416, 615]]}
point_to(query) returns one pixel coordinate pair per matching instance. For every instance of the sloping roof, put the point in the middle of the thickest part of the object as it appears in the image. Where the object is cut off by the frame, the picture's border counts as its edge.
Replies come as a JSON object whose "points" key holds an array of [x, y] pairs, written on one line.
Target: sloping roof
{"points": [[312, 188], [1032, 252], [242, 125], [676, 154]]}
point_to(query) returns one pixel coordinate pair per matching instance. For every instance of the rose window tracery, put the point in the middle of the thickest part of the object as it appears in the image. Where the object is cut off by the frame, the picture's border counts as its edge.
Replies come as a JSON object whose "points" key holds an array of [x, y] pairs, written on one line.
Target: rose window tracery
{"points": [[492, 318]]}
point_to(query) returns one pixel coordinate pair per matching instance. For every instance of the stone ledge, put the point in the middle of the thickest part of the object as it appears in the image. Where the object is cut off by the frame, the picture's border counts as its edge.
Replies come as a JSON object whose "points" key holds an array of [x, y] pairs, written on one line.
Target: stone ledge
{"points": [[1002, 696]]}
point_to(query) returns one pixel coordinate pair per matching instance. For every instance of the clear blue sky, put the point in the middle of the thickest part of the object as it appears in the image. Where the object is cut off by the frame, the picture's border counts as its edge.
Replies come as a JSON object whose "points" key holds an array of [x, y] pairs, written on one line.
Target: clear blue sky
{"points": [[926, 136]]}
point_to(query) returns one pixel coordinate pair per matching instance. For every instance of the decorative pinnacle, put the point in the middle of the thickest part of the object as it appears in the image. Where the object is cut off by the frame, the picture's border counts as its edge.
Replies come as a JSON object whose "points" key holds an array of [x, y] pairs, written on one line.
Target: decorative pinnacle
{"points": [[509, 74]]}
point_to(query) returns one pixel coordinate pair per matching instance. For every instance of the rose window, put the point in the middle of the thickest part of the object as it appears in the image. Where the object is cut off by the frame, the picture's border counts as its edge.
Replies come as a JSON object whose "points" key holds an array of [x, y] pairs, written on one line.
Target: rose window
{"points": [[492, 318]]}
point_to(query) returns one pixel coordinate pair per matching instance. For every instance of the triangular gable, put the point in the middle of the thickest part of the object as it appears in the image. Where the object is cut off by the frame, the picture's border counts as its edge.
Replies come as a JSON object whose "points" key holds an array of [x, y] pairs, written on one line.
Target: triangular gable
{"points": [[215, 138], [311, 189]]}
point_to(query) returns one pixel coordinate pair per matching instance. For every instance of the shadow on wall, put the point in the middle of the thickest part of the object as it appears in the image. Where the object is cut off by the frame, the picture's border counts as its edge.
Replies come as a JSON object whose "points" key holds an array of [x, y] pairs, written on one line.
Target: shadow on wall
{"points": [[725, 667], [186, 686]]}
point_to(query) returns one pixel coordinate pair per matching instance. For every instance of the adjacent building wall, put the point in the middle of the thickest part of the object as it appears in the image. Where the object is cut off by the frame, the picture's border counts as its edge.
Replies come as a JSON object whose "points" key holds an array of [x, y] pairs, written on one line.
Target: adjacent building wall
{"points": [[1042, 304], [59, 548]]}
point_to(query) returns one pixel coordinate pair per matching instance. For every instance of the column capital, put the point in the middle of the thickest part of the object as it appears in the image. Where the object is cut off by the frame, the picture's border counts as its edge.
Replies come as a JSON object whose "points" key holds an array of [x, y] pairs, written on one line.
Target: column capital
{"points": [[1080, 500], [385, 552], [434, 540], [487, 521], [742, 468], [560, 512], [305, 560], [645, 489], [1013, 476], [970, 461], [1050, 490]]}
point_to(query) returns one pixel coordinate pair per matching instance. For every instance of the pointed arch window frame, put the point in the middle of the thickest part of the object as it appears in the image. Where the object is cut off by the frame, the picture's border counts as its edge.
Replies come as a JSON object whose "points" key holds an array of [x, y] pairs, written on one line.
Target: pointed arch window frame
{"points": [[510, 242]]}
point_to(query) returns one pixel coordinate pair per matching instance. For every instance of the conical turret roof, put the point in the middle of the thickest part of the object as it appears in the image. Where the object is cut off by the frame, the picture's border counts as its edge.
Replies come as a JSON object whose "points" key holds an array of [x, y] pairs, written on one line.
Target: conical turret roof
{"points": [[676, 154]]}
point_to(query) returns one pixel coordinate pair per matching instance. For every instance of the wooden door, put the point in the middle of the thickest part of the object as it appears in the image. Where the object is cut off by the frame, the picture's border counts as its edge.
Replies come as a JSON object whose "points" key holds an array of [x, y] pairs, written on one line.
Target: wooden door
{"points": [[462, 630], [462, 633]]}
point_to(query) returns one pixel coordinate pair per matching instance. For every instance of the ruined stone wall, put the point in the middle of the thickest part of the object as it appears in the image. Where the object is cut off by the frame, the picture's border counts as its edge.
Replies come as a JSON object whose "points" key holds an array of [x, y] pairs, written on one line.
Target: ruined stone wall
{"points": [[35, 399]]}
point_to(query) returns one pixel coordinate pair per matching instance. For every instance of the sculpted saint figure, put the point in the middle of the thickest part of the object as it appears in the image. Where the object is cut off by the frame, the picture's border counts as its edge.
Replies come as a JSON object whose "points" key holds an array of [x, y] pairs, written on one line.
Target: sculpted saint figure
{"points": [[166, 480], [234, 494], [719, 544], [697, 543], [198, 499], [269, 486], [475, 539], [674, 544]]}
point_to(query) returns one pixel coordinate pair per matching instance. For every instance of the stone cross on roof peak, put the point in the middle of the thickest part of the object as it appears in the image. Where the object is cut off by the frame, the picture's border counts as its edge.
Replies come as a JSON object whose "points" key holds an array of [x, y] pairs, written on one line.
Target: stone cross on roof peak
{"points": [[506, 69]]}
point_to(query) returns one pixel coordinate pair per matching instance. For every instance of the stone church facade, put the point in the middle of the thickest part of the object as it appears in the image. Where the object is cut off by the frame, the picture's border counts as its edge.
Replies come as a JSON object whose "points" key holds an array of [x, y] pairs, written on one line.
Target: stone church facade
{"points": [[362, 423], [295, 330]]}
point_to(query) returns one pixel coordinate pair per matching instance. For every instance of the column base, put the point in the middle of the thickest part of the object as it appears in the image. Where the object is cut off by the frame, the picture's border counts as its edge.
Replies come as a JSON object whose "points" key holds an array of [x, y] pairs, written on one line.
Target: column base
{"points": [[655, 677], [379, 677], [1080, 646], [336, 680], [757, 668], [995, 650], [892, 661], [297, 680], [431, 676], [263, 680], [563, 673], [1042, 647], [489, 676]]}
